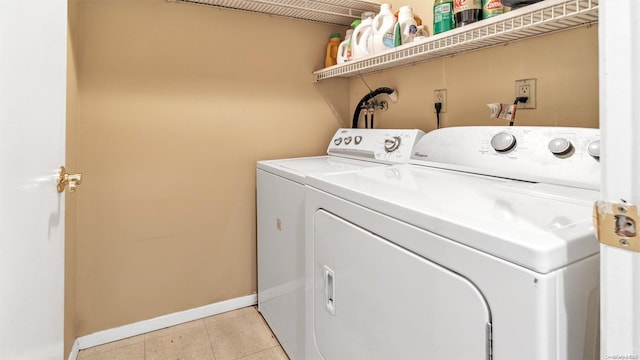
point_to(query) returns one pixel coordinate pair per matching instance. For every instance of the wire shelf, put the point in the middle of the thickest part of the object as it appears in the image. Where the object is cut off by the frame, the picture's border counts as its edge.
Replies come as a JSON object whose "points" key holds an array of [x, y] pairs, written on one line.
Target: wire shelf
{"points": [[338, 12], [534, 20]]}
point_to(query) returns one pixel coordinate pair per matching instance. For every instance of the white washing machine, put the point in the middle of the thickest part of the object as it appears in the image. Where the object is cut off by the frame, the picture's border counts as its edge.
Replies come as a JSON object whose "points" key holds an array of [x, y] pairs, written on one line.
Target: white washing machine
{"points": [[481, 248], [280, 217]]}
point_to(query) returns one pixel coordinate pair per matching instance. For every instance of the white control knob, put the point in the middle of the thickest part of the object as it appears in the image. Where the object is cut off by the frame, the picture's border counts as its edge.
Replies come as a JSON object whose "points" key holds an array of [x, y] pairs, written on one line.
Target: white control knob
{"points": [[503, 141], [560, 146], [337, 141], [392, 144], [357, 139], [347, 140], [594, 149]]}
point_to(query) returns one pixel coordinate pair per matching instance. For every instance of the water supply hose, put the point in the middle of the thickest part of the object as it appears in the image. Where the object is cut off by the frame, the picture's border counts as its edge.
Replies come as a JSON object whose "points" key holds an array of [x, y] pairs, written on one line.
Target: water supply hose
{"points": [[381, 90]]}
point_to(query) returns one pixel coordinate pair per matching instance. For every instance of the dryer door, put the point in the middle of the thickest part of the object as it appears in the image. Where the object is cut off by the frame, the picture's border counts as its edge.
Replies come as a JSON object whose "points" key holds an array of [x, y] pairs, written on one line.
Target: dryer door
{"points": [[376, 300]]}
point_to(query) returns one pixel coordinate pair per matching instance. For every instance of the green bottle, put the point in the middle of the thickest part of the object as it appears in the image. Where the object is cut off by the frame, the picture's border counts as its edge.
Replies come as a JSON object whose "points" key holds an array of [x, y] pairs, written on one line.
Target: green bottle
{"points": [[397, 35], [491, 8], [354, 24], [443, 16]]}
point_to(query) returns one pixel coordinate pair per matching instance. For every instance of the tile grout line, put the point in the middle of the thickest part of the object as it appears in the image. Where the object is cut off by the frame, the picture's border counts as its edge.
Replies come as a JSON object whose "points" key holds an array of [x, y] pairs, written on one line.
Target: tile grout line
{"points": [[265, 327], [259, 351], [268, 328], [209, 338]]}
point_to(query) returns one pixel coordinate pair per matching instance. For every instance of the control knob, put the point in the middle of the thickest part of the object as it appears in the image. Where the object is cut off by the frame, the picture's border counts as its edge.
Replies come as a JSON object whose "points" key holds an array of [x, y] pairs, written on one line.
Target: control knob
{"points": [[337, 141], [357, 139], [503, 142], [347, 140], [560, 146], [594, 149], [392, 144]]}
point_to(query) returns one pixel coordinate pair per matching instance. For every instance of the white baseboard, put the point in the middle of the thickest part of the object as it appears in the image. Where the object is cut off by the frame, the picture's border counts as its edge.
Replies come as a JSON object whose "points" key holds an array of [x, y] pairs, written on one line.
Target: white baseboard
{"points": [[160, 322], [73, 355]]}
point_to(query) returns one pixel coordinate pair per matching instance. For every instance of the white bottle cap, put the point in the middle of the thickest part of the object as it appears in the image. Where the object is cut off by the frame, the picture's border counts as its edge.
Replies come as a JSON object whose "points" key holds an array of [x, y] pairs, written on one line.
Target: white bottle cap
{"points": [[367, 15]]}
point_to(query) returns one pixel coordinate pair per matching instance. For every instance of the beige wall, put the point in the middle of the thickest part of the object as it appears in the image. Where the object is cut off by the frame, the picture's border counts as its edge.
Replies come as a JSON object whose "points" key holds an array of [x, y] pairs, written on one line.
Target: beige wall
{"points": [[565, 65], [71, 200], [176, 104]]}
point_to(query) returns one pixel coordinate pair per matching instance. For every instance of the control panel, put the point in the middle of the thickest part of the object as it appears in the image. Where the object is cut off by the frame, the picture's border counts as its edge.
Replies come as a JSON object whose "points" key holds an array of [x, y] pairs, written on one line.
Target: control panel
{"points": [[556, 155], [392, 146]]}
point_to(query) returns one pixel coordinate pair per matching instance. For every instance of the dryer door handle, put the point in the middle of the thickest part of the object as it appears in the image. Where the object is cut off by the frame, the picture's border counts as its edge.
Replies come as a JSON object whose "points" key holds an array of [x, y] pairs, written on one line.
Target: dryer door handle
{"points": [[329, 290]]}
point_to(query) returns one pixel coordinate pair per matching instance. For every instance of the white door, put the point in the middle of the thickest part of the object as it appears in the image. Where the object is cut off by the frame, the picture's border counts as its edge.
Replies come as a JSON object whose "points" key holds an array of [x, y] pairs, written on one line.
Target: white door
{"points": [[33, 36], [619, 38]]}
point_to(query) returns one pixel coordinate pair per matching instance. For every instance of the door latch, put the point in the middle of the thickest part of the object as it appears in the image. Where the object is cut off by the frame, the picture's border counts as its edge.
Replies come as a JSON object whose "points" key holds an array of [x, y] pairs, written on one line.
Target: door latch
{"points": [[616, 224], [64, 179]]}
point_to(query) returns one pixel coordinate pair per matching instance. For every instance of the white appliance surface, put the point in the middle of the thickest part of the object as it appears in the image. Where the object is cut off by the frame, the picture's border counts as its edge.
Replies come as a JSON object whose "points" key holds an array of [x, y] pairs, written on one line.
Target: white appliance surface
{"points": [[280, 219], [530, 224], [297, 169], [527, 247], [368, 291], [564, 156]]}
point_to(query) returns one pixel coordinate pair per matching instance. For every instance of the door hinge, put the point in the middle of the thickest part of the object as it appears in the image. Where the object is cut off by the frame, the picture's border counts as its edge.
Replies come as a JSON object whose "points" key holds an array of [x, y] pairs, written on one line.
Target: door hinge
{"points": [[615, 224], [489, 341]]}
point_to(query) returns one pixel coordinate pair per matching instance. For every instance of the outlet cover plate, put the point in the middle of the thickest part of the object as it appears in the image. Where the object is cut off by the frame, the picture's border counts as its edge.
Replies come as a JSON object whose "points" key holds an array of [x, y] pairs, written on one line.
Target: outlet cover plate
{"points": [[440, 95], [526, 87]]}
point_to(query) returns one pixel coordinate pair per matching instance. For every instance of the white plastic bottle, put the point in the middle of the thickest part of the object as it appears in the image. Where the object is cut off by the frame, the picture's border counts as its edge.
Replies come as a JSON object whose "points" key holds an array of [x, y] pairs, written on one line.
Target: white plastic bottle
{"points": [[361, 38], [406, 28], [382, 25], [342, 48]]}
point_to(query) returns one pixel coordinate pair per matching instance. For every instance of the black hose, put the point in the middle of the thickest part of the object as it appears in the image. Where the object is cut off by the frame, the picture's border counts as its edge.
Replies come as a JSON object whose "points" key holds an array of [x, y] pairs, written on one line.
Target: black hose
{"points": [[369, 96]]}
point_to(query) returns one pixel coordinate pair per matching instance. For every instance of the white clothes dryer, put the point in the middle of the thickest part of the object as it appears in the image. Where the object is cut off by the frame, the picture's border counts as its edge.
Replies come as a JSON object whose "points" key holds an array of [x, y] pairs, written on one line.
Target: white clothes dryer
{"points": [[280, 219], [481, 248]]}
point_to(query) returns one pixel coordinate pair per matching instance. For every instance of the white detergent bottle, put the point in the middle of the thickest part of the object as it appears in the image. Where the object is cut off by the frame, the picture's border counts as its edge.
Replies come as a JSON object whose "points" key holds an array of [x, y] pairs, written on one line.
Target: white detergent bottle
{"points": [[343, 47], [382, 26], [406, 26], [361, 38]]}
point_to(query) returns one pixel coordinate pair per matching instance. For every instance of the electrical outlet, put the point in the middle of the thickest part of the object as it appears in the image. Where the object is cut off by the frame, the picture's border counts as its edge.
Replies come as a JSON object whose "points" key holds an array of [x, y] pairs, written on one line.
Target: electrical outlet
{"points": [[526, 87], [440, 96]]}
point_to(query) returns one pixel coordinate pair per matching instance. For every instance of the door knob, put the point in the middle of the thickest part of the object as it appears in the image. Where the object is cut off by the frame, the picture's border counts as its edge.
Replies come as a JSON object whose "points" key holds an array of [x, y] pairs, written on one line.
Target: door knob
{"points": [[64, 179]]}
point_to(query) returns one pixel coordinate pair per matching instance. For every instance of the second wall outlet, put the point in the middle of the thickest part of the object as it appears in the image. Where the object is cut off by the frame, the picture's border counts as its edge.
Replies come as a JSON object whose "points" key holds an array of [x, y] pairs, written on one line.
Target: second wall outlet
{"points": [[440, 96], [526, 87]]}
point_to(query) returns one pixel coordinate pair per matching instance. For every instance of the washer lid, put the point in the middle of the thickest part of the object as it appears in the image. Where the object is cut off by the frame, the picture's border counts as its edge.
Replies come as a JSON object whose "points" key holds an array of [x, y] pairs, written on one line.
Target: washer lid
{"points": [[297, 169], [542, 227]]}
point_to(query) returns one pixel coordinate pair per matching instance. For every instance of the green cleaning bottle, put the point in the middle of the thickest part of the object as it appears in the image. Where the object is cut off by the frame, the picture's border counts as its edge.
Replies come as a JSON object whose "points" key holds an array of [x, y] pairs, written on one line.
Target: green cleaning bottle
{"points": [[443, 19], [354, 24]]}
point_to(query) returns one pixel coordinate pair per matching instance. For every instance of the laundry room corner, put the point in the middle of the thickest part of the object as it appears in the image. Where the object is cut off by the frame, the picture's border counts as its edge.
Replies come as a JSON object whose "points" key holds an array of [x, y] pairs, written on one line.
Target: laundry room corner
{"points": [[175, 104], [203, 179]]}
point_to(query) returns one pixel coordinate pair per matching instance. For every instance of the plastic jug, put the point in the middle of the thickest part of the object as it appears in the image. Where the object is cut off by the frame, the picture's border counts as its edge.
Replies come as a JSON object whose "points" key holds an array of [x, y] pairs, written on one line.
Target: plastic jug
{"points": [[361, 38], [342, 48], [383, 26], [406, 27], [332, 50]]}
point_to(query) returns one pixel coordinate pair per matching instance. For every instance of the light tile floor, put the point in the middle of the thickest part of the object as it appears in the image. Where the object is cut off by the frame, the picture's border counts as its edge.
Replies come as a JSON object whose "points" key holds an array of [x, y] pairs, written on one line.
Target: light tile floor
{"points": [[240, 334]]}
